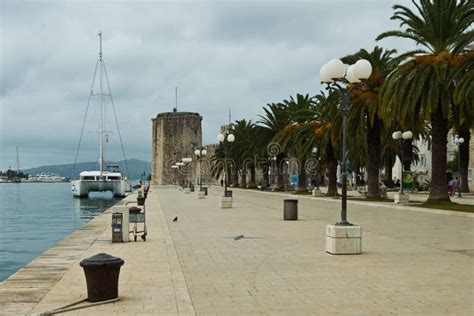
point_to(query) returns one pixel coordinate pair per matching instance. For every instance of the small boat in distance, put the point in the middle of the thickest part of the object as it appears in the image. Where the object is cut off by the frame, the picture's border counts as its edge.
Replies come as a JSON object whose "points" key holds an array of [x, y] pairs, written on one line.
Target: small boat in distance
{"points": [[46, 177], [109, 179]]}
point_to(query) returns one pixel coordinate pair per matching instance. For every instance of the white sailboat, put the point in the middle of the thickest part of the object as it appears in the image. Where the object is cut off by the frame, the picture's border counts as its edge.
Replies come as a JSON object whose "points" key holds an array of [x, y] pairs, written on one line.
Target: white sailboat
{"points": [[109, 178]]}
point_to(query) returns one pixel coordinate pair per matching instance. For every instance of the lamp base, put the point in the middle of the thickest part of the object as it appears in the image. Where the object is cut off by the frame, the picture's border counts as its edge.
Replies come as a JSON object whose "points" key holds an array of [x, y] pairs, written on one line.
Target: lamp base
{"points": [[187, 190], [343, 240], [225, 202], [201, 195], [180, 188], [402, 199]]}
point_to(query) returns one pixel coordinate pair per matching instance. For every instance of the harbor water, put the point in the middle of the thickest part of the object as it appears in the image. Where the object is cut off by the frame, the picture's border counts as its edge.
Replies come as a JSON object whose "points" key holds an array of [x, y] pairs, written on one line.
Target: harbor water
{"points": [[35, 216]]}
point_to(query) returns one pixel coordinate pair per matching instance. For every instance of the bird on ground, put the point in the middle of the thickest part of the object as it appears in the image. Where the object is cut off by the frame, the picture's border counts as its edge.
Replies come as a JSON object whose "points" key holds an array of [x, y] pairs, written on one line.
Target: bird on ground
{"points": [[175, 219]]}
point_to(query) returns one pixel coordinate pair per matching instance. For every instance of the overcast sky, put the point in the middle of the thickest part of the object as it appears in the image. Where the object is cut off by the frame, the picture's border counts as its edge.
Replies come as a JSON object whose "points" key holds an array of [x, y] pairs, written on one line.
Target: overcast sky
{"points": [[221, 54]]}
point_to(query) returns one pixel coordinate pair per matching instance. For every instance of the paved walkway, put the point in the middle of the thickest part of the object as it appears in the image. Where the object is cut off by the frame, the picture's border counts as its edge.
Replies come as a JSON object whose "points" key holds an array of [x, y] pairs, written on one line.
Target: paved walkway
{"points": [[413, 263]]}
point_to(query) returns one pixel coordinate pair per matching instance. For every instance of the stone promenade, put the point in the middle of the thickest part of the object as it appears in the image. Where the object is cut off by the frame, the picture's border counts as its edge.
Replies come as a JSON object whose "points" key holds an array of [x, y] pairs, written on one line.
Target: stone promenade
{"points": [[413, 263]]}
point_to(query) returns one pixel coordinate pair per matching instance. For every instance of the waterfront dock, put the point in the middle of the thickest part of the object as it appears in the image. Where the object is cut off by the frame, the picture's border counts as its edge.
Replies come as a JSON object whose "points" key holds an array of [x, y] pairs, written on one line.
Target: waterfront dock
{"points": [[412, 262]]}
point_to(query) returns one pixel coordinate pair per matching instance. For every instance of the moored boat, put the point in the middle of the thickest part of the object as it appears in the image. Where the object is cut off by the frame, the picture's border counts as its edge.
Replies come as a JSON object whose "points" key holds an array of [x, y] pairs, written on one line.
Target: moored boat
{"points": [[101, 180]]}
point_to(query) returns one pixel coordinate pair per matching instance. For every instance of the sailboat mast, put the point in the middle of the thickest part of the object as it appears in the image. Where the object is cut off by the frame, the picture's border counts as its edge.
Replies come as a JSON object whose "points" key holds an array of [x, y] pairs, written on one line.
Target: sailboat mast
{"points": [[101, 126], [17, 162]]}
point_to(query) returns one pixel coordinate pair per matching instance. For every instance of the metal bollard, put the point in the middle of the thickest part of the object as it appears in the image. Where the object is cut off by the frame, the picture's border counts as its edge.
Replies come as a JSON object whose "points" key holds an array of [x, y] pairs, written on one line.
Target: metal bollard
{"points": [[102, 276]]}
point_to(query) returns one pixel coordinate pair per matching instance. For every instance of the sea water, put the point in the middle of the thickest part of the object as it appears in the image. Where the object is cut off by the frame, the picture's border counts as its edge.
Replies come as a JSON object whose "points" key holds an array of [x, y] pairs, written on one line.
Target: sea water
{"points": [[35, 216]]}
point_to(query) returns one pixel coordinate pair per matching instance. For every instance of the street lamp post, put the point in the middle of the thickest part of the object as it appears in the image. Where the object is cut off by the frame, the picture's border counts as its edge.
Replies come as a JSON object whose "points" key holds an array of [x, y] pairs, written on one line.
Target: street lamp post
{"points": [[175, 167], [315, 153], [221, 139], [402, 136], [458, 141], [200, 153], [179, 165], [316, 191], [184, 162], [331, 73]]}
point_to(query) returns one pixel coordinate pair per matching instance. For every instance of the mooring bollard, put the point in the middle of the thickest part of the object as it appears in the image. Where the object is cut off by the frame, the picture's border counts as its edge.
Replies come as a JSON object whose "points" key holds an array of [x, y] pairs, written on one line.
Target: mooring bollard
{"points": [[290, 209], [102, 276]]}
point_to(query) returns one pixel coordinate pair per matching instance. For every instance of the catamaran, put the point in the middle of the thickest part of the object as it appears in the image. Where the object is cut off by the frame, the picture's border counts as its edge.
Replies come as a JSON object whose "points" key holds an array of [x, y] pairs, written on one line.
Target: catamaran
{"points": [[107, 178]]}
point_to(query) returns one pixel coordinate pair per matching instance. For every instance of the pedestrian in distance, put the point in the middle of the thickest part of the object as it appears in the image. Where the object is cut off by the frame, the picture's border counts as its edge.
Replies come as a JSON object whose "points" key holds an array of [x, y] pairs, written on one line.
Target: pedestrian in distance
{"points": [[450, 187]]}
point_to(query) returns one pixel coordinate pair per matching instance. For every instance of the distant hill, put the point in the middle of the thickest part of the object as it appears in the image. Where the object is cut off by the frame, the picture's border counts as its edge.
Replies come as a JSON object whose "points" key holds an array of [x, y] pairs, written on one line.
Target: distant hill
{"points": [[135, 168]]}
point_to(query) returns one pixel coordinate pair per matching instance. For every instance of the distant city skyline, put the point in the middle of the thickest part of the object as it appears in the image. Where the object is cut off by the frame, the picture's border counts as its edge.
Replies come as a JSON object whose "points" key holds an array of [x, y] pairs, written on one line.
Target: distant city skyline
{"points": [[221, 55]]}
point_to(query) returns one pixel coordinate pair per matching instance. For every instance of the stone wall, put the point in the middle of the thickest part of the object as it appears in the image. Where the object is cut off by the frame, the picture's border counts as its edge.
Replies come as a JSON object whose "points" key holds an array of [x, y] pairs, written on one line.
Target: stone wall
{"points": [[175, 135]]}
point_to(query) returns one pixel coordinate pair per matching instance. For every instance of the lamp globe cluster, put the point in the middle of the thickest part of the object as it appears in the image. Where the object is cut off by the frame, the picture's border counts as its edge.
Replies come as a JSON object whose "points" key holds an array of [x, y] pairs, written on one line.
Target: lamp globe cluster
{"points": [[221, 137], [402, 135], [199, 153], [335, 70]]}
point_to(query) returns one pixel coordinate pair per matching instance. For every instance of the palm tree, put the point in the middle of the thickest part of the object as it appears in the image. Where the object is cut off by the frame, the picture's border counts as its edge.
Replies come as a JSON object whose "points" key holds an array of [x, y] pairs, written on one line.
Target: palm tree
{"points": [[320, 126], [298, 147], [273, 122], [420, 88], [365, 107], [464, 117], [243, 149]]}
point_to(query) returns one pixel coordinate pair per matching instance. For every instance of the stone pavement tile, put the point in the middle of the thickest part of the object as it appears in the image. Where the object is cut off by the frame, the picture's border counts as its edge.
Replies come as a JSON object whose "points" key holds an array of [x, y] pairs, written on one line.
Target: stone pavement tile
{"points": [[285, 267], [151, 279]]}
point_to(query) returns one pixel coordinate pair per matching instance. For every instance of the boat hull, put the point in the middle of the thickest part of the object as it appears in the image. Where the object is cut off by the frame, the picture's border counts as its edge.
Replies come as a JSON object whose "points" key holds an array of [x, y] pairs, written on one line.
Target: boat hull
{"points": [[81, 188]]}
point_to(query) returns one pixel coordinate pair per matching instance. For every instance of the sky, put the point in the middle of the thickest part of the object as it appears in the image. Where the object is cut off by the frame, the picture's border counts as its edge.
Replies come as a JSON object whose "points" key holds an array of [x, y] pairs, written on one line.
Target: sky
{"points": [[220, 54]]}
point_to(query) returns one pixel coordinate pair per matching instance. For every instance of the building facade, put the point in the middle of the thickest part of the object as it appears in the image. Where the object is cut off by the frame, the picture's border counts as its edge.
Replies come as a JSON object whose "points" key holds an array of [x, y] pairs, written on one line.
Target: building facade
{"points": [[422, 168], [175, 135]]}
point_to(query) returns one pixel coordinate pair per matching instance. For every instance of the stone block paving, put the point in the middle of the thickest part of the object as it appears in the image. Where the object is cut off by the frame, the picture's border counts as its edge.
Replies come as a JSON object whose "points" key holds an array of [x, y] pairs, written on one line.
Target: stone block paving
{"points": [[412, 263], [151, 280]]}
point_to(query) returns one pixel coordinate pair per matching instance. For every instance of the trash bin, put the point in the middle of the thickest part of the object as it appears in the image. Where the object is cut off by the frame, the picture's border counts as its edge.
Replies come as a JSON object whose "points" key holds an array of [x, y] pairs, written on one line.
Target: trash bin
{"points": [[141, 201], [117, 219], [204, 189], [228, 193], [192, 188], [290, 209], [102, 275]]}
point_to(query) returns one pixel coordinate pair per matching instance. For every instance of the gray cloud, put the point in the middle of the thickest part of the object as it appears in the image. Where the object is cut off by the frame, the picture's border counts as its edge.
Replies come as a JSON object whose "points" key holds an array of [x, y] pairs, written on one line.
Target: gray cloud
{"points": [[221, 54]]}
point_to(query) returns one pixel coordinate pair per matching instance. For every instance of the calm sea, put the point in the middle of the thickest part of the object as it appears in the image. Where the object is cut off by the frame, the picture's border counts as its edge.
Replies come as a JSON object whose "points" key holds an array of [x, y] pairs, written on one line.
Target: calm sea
{"points": [[35, 216]]}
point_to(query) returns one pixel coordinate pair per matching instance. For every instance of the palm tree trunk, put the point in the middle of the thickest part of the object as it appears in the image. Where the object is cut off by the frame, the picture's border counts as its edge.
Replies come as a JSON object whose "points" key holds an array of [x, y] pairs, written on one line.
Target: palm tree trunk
{"points": [[388, 172], [302, 176], [465, 133], [243, 179], [253, 182], [332, 170], [439, 180], [266, 175], [279, 170], [373, 152], [235, 179]]}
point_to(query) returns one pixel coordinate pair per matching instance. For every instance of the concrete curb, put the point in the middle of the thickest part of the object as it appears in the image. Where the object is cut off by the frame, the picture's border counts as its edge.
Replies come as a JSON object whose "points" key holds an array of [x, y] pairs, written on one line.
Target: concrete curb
{"points": [[371, 204]]}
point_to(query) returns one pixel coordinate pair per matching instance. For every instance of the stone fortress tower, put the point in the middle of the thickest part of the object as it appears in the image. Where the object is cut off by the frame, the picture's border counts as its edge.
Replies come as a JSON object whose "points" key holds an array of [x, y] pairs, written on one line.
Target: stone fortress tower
{"points": [[175, 136]]}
